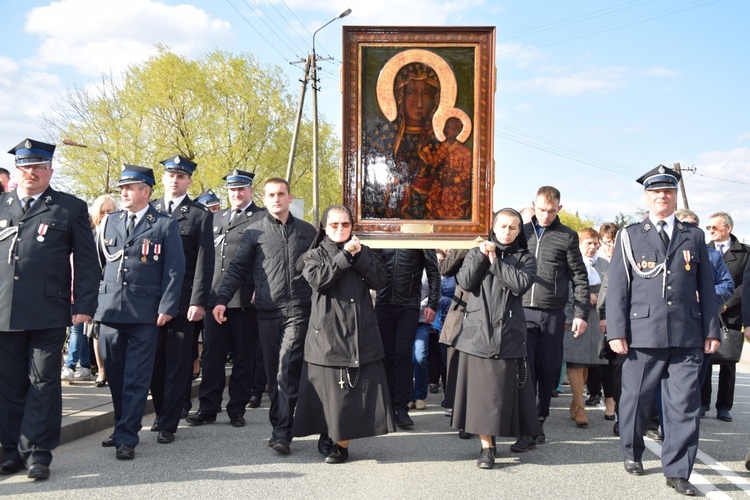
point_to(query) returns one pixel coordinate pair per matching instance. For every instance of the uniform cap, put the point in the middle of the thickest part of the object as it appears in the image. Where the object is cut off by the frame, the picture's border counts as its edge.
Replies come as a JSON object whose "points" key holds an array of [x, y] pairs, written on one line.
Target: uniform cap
{"points": [[179, 164], [132, 174], [238, 178], [208, 198], [31, 152], [660, 177]]}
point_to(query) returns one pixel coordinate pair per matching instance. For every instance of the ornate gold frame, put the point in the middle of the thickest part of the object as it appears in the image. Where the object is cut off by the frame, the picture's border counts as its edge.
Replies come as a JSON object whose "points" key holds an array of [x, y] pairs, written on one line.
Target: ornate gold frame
{"points": [[463, 58]]}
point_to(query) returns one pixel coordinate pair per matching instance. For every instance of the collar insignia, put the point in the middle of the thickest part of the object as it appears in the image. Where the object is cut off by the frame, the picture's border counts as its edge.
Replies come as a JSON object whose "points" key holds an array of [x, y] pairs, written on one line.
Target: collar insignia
{"points": [[647, 227], [184, 208], [150, 217], [10, 201], [48, 199], [158, 206]]}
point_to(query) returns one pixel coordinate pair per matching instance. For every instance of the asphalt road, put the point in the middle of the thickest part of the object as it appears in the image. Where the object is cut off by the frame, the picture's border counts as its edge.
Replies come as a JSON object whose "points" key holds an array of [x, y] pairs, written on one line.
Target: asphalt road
{"points": [[430, 461]]}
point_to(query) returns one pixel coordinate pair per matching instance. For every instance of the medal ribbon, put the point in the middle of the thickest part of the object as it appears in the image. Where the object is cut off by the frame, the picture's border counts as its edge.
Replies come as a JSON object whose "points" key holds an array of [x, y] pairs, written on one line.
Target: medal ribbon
{"points": [[42, 229], [144, 248]]}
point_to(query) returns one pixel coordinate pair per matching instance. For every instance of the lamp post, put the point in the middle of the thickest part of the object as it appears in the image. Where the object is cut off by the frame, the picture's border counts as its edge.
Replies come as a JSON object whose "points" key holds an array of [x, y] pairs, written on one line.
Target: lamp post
{"points": [[315, 117], [69, 142]]}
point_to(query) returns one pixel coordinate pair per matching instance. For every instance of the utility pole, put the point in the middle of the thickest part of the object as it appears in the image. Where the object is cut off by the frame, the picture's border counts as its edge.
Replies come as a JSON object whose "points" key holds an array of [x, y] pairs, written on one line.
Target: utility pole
{"points": [[310, 67], [676, 167], [293, 150]]}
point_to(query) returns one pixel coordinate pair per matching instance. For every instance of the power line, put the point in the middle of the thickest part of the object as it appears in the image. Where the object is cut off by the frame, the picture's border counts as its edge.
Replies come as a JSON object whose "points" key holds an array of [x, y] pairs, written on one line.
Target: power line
{"points": [[303, 25], [259, 33], [277, 26], [261, 19], [613, 26]]}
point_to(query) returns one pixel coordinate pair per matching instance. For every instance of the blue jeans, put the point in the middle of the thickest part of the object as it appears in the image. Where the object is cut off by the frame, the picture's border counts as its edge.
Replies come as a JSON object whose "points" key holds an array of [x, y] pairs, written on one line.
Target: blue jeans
{"points": [[419, 359], [78, 348]]}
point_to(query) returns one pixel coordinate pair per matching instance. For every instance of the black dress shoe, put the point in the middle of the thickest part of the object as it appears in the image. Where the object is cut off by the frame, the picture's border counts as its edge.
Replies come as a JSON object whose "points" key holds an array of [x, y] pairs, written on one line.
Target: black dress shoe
{"points": [[282, 446], [682, 486], [155, 427], [125, 452], [254, 402], [200, 418], [633, 467], [109, 442], [464, 435], [237, 420], [593, 401], [540, 438], [616, 428], [38, 471], [486, 459], [523, 444], [325, 445], [165, 437], [10, 467], [338, 455], [403, 419], [271, 441], [185, 413]]}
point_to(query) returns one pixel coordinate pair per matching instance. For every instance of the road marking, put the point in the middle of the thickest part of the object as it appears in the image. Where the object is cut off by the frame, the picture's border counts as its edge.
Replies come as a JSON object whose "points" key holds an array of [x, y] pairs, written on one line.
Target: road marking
{"points": [[704, 485]]}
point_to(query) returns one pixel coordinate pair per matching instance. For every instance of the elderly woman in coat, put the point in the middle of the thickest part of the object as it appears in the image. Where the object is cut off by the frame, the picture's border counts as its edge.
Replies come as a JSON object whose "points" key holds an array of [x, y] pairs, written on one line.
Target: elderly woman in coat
{"points": [[343, 389], [494, 394]]}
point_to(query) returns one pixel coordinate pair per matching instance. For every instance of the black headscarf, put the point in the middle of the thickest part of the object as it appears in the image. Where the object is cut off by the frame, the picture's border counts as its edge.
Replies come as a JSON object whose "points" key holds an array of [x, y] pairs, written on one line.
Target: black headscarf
{"points": [[519, 242], [322, 237]]}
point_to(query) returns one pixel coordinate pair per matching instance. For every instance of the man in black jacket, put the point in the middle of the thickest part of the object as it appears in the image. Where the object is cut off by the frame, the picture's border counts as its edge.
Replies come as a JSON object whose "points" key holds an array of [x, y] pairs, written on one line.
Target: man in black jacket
{"points": [[268, 254], [735, 256], [559, 262], [397, 309]]}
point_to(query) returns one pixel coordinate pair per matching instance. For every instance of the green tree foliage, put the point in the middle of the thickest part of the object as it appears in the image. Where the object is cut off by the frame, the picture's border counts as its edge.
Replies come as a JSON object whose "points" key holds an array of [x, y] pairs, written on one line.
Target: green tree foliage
{"points": [[224, 111], [575, 222]]}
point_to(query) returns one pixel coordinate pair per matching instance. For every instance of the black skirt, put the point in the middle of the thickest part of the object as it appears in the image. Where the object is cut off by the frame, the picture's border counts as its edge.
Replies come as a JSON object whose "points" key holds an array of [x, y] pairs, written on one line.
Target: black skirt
{"points": [[494, 397], [347, 412]]}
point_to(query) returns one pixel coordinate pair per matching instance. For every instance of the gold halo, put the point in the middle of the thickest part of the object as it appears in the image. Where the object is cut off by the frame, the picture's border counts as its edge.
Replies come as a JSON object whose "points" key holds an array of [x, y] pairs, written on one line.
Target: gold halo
{"points": [[440, 117], [387, 77]]}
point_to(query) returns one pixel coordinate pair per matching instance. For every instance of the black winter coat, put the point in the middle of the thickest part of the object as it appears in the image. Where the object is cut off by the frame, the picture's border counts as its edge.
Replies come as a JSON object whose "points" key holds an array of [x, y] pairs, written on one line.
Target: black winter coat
{"points": [[559, 262], [404, 284], [343, 328], [267, 256], [494, 324]]}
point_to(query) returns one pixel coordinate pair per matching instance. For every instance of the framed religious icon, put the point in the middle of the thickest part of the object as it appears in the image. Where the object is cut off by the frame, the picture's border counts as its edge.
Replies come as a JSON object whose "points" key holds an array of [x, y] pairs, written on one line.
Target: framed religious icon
{"points": [[418, 134]]}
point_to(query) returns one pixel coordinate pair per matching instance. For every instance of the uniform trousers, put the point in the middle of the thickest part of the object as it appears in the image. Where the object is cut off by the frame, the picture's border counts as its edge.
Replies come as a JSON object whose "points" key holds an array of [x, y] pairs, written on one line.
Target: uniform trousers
{"points": [[398, 329], [283, 342], [172, 367], [238, 335], [544, 346], [129, 351], [30, 394], [676, 371]]}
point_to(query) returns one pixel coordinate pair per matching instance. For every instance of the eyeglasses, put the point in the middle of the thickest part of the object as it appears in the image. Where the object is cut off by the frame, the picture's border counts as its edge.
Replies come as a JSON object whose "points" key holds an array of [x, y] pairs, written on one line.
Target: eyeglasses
{"points": [[34, 168], [608, 243], [713, 228], [335, 225]]}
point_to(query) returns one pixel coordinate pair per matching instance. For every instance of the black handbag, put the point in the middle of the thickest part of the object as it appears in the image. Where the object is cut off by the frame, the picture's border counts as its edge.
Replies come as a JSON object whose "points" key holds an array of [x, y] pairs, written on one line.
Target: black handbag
{"points": [[605, 351], [730, 349]]}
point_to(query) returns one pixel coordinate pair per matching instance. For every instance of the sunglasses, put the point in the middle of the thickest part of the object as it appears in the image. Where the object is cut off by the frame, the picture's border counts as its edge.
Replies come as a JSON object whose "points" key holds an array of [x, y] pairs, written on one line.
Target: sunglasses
{"points": [[712, 228], [335, 225]]}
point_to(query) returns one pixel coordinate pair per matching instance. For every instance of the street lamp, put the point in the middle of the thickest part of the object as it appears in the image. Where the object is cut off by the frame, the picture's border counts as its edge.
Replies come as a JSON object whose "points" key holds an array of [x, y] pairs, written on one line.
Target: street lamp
{"points": [[69, 142], [315, 117]]}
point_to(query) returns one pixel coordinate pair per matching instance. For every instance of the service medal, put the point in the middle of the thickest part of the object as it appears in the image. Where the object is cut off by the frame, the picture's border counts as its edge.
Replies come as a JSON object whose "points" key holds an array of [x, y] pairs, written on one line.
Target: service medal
{"points": [[157, 251], [144, 249], [686, 256], [651, 265], [41, 231], [3, 224], [644, 264]]}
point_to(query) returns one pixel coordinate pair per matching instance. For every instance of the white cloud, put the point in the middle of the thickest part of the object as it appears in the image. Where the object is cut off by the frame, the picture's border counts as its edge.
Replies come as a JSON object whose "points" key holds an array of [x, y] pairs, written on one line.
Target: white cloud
{"points": [[663, 72], [744, 137], [575, 83], [521, 55], [96, 36]]}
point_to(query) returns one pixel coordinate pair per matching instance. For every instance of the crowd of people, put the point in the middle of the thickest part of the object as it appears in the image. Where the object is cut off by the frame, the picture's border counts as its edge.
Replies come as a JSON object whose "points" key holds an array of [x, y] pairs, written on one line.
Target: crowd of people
{"points": [[347, 339]]}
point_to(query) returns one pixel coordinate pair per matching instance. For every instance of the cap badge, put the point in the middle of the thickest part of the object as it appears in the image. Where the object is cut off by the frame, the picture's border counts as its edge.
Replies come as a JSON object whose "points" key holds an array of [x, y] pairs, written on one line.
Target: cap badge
{"points": [[176, 160], [27, 144], [661, 169]]}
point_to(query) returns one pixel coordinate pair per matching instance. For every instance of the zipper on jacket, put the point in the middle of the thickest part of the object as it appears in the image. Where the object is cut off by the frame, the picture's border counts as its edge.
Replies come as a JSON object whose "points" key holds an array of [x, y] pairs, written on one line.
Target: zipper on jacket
{"points": [[393, 277], [536, 256]]}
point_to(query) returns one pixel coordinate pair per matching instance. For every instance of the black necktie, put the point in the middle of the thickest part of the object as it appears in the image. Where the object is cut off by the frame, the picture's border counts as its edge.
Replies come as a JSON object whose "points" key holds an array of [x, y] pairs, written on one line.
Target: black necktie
{"points": [[171, 205], [235, 213], [27, 201], [131, 225], [663, 233]]}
